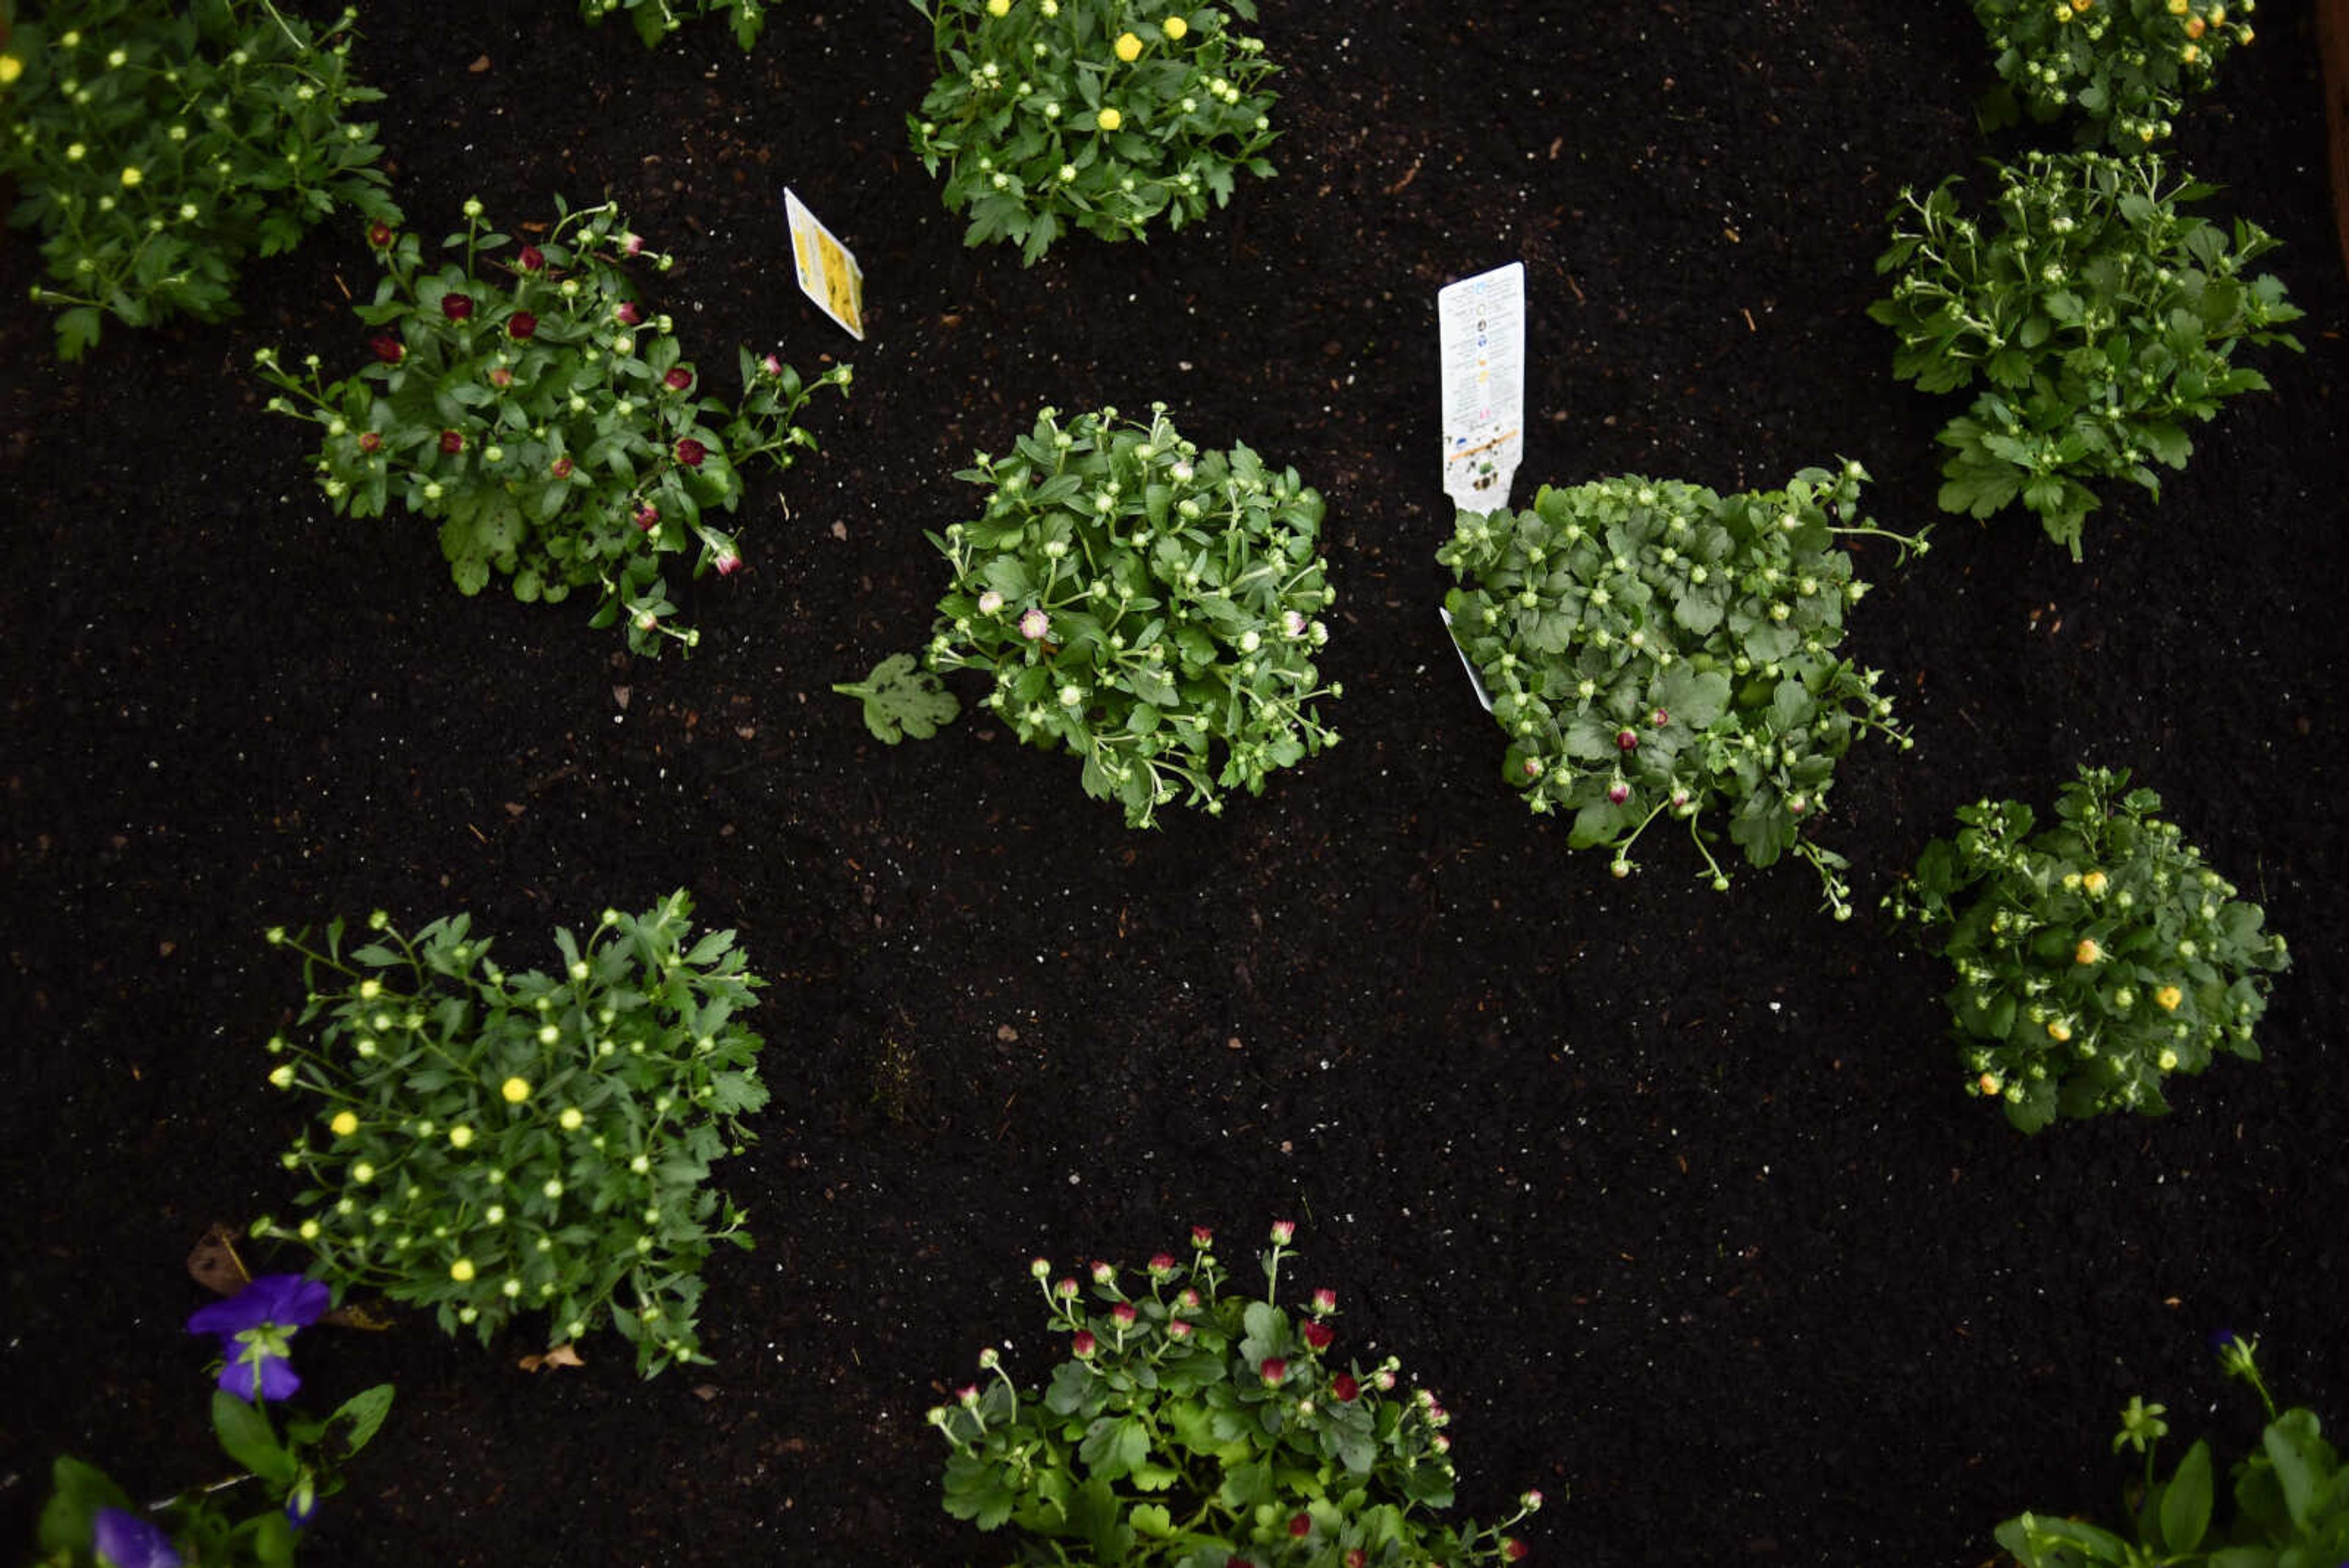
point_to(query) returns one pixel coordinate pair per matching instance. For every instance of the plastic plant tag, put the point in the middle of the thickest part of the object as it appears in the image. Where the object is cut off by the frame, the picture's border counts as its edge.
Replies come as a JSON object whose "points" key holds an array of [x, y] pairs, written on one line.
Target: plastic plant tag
{"points": [[1480, 323], [828, 273], [1475, 679]]}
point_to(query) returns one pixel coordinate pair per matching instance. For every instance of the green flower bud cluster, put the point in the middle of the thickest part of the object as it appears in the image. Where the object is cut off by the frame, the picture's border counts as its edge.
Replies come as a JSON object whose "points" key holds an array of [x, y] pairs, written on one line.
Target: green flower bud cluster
{"points": [[2126, 65]]}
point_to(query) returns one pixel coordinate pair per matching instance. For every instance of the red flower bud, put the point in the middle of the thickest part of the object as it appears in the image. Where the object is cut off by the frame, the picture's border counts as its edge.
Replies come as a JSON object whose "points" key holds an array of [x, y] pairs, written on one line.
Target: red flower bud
{"points": [[727, 563], [1163, 1263], [452, 443], [1178, 1329], [1317, 1335], [522, 325], [1123, 1314], [677, 380], [1514, 1550], [1103, 1273], [370, 441], [1660, 718], [1202, 1237], [1627, 740], [629, 312], [531, 259], [456, 306], [1282, 1229], [647, 517], [1189, 1298], [561, 468], [690, 451], [1324, 1300], [1344, 1389], [1301, 1525], [1065, 1289], [1619, 793], [1274, 1371], [1358, 1558], [772, 365], [632, 245], [380, 235], [1083, 1344], [388, 348], [500, 376]]}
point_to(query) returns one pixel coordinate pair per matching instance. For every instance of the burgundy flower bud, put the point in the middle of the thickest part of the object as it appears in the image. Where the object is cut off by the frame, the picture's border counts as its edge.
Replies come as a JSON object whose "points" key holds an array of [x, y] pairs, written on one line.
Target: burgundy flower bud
{"points": [[1514, 1550], [647, 517], [388, 348], [1325, 1300], [1660, 718], [677, 380], [1627, 740], [370, 441], [1081, 1344], [1317, 1335], [1103, 1273], [1178, 1329], [968, 1395], [772, 365], [727, 563], [632, 245], [1189, 1298], [1123, 1314], [380, 235], [1358, 1558], [1301, 1525], [1065, 1289], [1384, 1379], [1619, 792], [1162, 1266], [456, 306], [1202, 1237], [630, 313], [500, 376], [1440, 1443], [1344, 1389], [452, 443], [690, 451], [1282, 1229], [1274, 1371], [522, 325], [531, 259], [561, 469]]}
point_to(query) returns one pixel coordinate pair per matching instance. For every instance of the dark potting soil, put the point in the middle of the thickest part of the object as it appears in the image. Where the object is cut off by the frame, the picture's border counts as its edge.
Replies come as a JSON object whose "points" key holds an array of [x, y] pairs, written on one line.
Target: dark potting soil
{"points": [[1674, 1196]]}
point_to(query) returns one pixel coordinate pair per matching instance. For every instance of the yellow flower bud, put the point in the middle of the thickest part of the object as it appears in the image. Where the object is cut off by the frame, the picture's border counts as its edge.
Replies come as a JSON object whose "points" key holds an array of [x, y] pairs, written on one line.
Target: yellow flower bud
{"points": [[11, 67], [2059, 1031], [515, 1090], [2167, 998], [131, 177], [2087, 952], [1987, 1083], [998, 8], [1175, 26], [461, 1270], [1110, 119], [459, 1136], [571, 1118], [2094, 882], [1129, 48], [344, 1124]]}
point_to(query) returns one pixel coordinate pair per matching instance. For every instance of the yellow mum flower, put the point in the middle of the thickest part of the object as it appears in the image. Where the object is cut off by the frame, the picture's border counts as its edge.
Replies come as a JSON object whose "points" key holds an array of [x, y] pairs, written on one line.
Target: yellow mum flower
{"points": [[515, 1090], [1110, 119], [459, 1136], [2087, 952], [2094, 882], [571, 1118], [1175, 26], [11, 67], [2059, 1031], [2168, 997], [461, 1270], [344, 1124], [1129, 48], [1987, 1083], [998, 8], [131, 177]]}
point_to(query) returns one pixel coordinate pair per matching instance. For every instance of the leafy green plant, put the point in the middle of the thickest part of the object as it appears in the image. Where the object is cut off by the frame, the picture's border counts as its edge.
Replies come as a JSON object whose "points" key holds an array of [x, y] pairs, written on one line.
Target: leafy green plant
{"points": [[1102, 115], [2101, 315], [2096, 956], [901, 700], [1653, 647], [657, 19], [293, 1460], [2291, 1497], [156, 146], [1190, 1427], [491, 1143], [1144, 604], [530, 405], [2125, 65]]}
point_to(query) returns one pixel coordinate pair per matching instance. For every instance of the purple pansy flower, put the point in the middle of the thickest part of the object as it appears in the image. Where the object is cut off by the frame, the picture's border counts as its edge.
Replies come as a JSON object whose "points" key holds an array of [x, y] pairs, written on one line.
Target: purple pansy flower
{"points": [[126, 1541], [257, 1327]]}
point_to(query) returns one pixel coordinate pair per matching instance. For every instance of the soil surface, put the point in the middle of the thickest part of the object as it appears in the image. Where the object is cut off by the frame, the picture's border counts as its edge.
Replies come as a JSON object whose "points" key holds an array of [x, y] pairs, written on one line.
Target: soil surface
{"points": [[1674, 1196]]}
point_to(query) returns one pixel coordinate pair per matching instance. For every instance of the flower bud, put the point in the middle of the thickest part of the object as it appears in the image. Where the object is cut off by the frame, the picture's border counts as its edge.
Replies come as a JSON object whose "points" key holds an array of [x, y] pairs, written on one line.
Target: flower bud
{"points": [[456, 306], [1273, 1370], [1282, 1229], [1082, 1344]]}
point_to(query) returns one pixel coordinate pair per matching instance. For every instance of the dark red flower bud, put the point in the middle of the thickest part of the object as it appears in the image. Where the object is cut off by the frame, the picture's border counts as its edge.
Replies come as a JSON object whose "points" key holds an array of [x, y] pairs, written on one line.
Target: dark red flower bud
{"points": [[1163, 1263], [456, 306], [1274, 1371], [1081, 1344], [500, 376], [629, 312], [677, 380], [1514, 1550], [561, 468], [380, 235], [1358, 1558], [522, 325], [1627, 740], [1317, 1335], [388, 348], [452, 443], [690, 451], [1619, 793], [369, 441], [1123, 1314], [1660, 718], [531, 259], [1344, 1389], [647, 517], [1325, 1300], [1202, 1237], [1301, 1525], [1178, 1329]]}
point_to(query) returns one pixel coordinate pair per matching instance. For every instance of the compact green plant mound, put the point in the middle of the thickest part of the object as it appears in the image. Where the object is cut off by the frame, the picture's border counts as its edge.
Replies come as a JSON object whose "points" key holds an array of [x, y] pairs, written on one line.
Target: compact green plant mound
{"points": [[2096, 956], [2099, 318], [523, 398], [1149, 605], [1654, 649], [1107, 116], [489, 1143], [2125, 65], [657, 19], [157, 146], [1193, 1429], [2290, 1498]]}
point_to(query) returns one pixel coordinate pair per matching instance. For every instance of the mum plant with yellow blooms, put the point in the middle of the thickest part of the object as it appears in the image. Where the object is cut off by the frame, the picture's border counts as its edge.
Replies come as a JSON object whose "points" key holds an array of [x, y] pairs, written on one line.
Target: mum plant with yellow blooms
{"points": [[1107, 116], [488, 1143], [2097, 958], [2126, 65]]}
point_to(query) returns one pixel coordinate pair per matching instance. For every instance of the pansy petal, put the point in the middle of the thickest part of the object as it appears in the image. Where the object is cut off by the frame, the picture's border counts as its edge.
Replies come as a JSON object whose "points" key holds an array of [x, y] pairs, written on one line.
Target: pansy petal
{"points": [[278, 1378], [235, 1315], [122, 1540], [294, 1301]]}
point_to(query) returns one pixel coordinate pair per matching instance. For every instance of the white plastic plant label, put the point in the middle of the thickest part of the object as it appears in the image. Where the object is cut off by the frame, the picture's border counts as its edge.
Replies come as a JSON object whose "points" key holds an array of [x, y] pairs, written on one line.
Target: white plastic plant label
{"points": [[1475, 679], [1480, 326], [828, 272]]}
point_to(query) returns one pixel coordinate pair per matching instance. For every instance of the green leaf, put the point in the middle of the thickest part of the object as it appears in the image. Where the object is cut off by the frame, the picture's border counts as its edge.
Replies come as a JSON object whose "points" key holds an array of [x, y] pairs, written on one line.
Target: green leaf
{"points": [[362, 1415], [77, 329], [2186, 1500], [246, 1436], [901, 700]]}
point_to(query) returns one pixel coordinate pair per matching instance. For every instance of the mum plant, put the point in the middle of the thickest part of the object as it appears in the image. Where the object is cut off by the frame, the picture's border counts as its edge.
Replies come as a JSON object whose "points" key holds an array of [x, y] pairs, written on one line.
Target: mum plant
{"points": [[293, 1460], [2096, 956], [2125, 65], [522, 398], [1655, 649], [2290, 1498], [2099, 318], [657, 19], [1102, 115], [489, 1143], [1149, 605], [157, 146], [1190, 1427]]}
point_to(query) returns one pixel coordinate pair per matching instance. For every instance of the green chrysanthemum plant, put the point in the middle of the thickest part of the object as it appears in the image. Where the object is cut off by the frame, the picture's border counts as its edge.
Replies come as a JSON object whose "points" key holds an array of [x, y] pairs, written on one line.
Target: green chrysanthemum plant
{"points": [[2126, 65]]}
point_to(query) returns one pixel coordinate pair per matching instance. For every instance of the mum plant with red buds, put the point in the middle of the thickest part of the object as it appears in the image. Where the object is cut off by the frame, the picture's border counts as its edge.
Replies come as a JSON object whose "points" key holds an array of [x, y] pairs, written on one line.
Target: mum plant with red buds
{"points": [[2095, 957], [520, 397], [2099, 319], [2126, 65], [2290, 1497], [1190, 1427], [1654, 649], [1148, 606], [657, 19], [156, 146], [485, 1144], [1099, 114]]}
